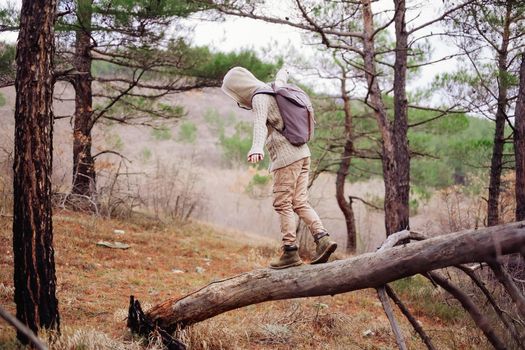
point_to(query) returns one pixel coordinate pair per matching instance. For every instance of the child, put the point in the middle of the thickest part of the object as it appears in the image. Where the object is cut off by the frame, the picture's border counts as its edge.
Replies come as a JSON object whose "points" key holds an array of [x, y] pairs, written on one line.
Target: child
{"points": [[290, 165]]}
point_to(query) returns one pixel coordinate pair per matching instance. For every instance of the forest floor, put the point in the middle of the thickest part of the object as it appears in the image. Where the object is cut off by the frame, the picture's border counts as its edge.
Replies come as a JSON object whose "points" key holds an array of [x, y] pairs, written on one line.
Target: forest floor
{"points": [[94, 285]]}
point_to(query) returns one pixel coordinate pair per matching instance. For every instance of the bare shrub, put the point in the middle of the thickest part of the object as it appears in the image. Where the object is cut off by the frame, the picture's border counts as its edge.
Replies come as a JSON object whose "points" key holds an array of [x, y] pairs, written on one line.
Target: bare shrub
{"points": [[466, 208], [460, 209], [119, 193], [116, 195], [507, 198], [500, 297], [167, 193], [171, 192]]}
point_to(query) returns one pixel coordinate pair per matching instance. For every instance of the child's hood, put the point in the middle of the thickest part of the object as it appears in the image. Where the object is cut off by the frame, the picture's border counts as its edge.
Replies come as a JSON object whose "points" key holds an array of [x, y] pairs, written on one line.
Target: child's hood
{"points": [[240, 84]]}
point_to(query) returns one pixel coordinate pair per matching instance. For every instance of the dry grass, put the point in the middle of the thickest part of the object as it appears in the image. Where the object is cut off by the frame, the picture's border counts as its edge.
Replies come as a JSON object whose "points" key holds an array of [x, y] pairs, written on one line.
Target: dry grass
{"points": [[94, 284]]}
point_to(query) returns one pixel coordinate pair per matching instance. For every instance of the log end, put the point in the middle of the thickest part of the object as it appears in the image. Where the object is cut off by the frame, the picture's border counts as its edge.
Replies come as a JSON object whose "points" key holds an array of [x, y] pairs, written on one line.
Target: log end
{"points": [[140, 324]]}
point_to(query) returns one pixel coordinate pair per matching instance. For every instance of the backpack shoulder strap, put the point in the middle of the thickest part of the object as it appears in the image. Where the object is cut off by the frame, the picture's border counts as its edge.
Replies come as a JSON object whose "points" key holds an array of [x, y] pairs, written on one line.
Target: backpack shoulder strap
{"points": [[270, 90], [265, 90]]}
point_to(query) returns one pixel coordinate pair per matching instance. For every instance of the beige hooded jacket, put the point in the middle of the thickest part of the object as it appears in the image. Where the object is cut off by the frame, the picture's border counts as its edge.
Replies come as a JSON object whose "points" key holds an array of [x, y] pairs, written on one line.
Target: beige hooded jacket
{"points": [[240, 84]]}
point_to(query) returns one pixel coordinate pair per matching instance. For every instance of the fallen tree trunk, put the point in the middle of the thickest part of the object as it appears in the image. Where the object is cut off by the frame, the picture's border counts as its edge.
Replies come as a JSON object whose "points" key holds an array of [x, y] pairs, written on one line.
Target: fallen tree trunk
{"points": [[369, 270]]}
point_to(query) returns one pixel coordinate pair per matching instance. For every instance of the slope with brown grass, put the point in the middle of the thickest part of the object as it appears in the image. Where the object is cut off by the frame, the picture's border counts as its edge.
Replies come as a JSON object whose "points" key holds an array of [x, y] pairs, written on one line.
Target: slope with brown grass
{"points": [[94, 284]]}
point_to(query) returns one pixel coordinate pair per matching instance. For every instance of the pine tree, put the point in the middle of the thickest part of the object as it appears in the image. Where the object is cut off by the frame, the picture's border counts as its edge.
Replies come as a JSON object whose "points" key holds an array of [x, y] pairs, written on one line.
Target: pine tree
{"points": [[34, 265]]}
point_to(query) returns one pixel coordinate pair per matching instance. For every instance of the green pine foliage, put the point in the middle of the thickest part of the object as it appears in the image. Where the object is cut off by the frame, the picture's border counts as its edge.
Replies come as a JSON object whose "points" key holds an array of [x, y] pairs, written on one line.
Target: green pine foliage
{"points": [[234, 138], [214, 65], [187, 132], [196, 62], [236, 145], [9, 15], [125, 13], [7, 58], [161, 133], [445, 151], [7, 62], [145, 155]]}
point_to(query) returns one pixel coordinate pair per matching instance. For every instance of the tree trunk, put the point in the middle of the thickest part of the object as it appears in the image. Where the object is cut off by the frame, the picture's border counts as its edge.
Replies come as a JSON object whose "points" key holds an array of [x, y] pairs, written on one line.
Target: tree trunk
{"points": [[519, 145], [346, 206], [400, 137], [496, 164], [34, 264], [84, 176], [369, 270], [342, 173], [395, 158]]}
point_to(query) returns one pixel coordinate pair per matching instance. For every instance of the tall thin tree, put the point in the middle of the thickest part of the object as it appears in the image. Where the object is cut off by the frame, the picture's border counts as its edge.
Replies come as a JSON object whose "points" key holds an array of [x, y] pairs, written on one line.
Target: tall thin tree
{"points": [[84, 179], [342, 171], [34, 264], [496, 166], [519, 145], [489, 33]]}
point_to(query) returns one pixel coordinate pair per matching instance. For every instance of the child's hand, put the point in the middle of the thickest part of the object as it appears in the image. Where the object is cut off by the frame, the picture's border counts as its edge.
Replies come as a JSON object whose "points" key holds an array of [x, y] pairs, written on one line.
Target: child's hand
{"points": [[255, 158]]}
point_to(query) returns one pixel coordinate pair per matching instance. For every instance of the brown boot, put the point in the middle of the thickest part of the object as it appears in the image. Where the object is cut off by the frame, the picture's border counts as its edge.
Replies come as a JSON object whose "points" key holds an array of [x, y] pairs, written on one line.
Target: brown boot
{"points": [[325, 248], [289, 257]]}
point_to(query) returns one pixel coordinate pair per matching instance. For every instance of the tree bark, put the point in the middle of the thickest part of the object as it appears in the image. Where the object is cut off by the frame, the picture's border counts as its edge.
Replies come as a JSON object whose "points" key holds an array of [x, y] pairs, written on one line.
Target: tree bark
{"points": [[342, 173], [34, 264], [84, 176], [519, 145], [395, 157], [371, 270], [400, 128], [496, 164]]}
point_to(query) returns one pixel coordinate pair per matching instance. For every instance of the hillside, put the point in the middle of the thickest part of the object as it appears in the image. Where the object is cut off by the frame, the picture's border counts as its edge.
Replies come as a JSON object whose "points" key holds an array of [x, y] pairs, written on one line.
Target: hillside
{"points": [[186, 158], [94, 284]]}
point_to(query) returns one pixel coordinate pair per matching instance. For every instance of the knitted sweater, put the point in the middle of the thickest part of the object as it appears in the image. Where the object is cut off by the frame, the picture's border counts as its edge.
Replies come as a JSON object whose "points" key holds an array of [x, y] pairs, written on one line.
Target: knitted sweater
{"points": [[267, 120]]}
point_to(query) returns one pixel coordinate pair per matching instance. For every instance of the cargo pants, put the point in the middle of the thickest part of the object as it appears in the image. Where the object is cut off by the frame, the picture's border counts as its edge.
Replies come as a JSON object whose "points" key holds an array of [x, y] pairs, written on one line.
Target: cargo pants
{"points": [[290, 195]]}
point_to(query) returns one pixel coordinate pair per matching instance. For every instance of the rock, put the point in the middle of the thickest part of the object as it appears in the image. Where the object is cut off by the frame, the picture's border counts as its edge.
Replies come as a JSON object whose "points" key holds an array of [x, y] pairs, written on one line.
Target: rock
{"points": [[368, 333], [177, 271], [119, 232], [114, 245], [199, 269]]}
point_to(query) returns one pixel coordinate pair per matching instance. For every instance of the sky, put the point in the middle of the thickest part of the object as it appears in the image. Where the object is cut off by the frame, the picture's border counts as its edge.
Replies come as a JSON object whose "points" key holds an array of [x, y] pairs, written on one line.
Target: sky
{"points": [[236, 33], [269, 40]]}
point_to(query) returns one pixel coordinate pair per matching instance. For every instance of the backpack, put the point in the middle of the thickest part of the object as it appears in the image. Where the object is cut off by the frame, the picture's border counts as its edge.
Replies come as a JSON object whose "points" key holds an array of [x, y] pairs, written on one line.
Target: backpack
{"points": [[296, 110]]}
